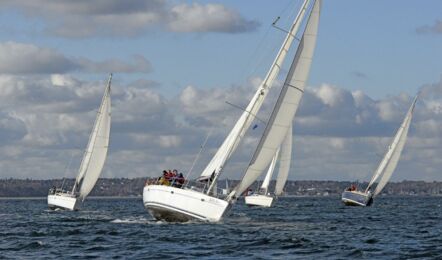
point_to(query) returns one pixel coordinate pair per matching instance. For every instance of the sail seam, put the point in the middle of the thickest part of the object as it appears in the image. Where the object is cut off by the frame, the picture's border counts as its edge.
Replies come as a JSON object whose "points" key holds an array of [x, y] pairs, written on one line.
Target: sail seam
{"points": [[301, 90]]}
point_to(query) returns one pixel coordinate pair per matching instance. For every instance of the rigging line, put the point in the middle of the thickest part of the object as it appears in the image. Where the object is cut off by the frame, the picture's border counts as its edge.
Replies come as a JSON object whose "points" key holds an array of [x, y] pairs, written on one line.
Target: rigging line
{"points": [[284, 30], [198, 155], [260, 46], [67, 168], [243, 109]]}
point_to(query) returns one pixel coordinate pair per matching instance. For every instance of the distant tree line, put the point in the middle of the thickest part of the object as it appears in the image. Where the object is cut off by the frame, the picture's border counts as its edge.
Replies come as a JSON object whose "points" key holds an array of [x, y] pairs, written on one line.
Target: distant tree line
{"points": [[123, 187]]}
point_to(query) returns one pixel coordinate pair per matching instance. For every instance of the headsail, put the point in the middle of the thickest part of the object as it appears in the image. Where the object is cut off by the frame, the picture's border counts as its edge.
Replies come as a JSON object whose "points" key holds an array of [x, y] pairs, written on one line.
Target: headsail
{"points": [[96, 151], [286, 105], [391, 158], [268, 177], [284, 163], [233, 139]]}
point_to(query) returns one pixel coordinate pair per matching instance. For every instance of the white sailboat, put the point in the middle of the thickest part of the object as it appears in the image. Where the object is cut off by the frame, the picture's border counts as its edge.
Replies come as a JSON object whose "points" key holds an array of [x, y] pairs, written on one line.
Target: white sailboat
{"points": [[200, 199], [353, 197], [92, 163], [280, 121], [263, 198]]}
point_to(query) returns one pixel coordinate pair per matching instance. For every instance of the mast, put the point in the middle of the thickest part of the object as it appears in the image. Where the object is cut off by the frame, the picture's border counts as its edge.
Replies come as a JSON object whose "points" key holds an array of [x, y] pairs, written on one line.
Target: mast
{"points": [[215, 166], [286, 105], [93, 137]]}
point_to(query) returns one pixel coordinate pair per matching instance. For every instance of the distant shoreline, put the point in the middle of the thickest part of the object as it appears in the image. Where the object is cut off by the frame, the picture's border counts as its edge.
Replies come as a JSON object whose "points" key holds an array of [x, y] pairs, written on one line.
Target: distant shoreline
{"points": [[133, 188]]}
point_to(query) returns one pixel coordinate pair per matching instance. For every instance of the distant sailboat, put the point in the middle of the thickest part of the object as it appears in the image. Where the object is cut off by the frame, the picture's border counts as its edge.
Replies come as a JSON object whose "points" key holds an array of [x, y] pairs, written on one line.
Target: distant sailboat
{"points": [[263, 197], [92, 163], [200, 199], [353, 197]]}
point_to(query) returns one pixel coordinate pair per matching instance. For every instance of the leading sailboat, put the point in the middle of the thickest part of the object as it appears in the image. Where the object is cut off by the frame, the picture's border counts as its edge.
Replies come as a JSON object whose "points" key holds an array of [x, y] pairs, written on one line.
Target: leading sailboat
{"points": [[200, 199], [353, 197], [92, 163]]}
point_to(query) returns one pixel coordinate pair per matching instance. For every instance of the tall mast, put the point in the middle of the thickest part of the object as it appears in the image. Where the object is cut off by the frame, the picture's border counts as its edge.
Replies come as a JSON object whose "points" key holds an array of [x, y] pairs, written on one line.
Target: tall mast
{"points": [[214, 168], [286, 106]]}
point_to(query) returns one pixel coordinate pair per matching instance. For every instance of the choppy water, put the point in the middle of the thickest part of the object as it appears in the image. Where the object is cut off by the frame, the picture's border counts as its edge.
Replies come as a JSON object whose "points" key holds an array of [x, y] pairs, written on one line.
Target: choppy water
{"points": [[303, 228]]}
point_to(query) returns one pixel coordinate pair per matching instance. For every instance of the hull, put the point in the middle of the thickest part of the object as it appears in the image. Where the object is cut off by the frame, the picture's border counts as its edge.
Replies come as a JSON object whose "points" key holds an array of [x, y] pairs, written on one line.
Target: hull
{"points": [[357, 198], [180, 205], [259, 200], [63, 201]]}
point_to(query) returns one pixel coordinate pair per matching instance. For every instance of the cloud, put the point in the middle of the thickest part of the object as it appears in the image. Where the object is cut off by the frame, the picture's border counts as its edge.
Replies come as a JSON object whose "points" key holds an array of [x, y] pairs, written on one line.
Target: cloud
{"points": [[436, 28], [208, 18], [79, 19], [21, 58], [338, 134]]}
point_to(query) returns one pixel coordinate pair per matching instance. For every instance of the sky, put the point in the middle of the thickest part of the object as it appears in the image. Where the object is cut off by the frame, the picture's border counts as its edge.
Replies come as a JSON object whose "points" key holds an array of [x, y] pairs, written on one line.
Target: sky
{"points": [[175, 65]]}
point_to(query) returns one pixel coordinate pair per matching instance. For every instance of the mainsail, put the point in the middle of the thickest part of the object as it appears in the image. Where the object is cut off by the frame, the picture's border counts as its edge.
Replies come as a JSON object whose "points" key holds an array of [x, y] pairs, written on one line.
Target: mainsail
{"points": [[231, 142], [391, 158], [285, 108], [284, 162], [96, 151]]}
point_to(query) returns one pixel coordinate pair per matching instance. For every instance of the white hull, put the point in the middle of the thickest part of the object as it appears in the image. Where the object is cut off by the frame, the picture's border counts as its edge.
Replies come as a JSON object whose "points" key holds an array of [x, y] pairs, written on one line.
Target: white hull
{"points": [[63, 201], [357, 198], [180, 205], [259, 200]]}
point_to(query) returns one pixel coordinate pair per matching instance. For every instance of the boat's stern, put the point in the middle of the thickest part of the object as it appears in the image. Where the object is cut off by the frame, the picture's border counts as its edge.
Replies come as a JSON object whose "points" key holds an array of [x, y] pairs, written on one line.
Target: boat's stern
{"points": [[174, 204], [259, 200], [63, 201]]}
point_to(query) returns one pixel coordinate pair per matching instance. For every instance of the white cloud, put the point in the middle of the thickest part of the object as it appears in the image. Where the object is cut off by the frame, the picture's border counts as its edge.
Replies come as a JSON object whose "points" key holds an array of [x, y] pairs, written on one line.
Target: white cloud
{"points": [[338, 134], [208, 18]]}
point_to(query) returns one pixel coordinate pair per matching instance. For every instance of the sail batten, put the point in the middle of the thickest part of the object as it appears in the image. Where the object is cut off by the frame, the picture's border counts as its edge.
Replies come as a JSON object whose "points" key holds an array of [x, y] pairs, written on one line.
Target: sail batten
{"points": [[286, 106], [231, 142]]}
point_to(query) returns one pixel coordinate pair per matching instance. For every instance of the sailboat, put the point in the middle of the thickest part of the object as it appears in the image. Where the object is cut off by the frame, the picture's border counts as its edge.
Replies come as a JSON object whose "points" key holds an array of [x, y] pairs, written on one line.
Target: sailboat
{"points": [[92, 163], [200, 199], [263, 198], [385, 169]]}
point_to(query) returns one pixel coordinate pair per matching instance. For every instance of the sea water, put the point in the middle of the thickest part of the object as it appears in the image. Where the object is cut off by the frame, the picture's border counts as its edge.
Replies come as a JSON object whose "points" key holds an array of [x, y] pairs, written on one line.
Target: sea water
{"points": [[295, 228]]}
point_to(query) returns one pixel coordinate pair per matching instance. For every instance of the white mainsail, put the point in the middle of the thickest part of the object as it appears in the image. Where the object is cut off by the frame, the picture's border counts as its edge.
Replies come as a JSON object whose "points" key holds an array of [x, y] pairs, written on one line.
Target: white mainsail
{"points": [[284, 162], [266, 182], [286, 105], [391, 158], [96, 151], [231, 142]]}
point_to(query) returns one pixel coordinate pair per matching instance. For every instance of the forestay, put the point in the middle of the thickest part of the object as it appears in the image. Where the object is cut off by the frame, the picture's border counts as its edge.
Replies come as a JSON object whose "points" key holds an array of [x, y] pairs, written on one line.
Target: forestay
{"points": [[286, 105], [233, 139], [96, 151]]}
